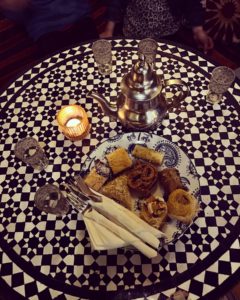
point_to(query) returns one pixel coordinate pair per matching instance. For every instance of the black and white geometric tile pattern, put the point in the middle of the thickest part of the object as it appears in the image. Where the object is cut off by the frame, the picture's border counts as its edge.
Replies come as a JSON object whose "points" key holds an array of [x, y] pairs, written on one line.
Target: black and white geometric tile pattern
{"points": [[47, 257]]}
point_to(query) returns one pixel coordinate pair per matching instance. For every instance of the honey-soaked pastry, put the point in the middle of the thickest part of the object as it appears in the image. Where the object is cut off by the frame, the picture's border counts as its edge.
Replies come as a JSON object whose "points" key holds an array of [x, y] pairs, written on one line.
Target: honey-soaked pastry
{"points": [[170, 180], [119, 160], [97, 176], [142, 177], [148, 154], [154, 211], [182, 206], [117, 189]]}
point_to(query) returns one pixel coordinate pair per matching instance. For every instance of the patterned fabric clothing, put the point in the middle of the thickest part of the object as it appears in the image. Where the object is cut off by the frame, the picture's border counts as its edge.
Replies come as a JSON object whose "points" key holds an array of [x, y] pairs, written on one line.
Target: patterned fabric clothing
{"points": [[164, 16], [150, 18]]}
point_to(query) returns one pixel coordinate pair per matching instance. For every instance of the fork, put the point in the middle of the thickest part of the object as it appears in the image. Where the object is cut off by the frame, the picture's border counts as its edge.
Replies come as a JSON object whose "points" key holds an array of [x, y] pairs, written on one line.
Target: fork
{"points": [[75, 190], [75, 200], [82, 186]]}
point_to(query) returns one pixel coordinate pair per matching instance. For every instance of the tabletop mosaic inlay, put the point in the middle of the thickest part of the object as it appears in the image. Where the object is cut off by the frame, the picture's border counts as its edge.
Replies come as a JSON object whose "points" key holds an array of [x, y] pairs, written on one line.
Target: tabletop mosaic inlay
{"points": [[49, 256]]}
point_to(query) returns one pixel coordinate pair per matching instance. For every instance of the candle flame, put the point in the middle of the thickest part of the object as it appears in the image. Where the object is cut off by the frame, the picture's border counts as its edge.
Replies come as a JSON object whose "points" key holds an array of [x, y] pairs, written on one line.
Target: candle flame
{"points": [[73, 122]]}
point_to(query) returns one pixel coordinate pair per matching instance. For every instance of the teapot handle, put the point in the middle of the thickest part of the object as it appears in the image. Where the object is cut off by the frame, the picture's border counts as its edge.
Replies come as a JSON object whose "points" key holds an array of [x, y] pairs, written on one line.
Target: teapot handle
{"points": [[176, 100]]}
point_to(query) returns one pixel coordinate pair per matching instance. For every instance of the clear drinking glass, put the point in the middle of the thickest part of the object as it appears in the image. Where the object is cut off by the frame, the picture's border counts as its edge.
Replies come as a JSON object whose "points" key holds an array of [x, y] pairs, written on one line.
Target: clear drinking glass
{"points": [[102, 51], [148, 47], [30, 152], [221, 79], [50, 199]]}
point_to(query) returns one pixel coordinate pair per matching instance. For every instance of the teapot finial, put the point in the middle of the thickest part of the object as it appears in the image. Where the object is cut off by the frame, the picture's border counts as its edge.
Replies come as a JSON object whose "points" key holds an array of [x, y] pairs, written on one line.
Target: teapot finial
{"points": [[141, 66], [141, 83], [141, 60]]}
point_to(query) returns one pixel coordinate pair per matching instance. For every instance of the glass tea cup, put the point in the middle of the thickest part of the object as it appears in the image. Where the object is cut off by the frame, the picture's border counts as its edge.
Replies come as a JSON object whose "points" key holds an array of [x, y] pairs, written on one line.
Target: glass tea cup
{"points": [[31, 153], [102, 51], [148, 48], [221, 79], [50, 199]]}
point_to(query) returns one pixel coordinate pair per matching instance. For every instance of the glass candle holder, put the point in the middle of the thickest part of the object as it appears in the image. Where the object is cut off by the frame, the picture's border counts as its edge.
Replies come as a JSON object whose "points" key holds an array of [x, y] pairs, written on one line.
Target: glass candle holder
{"points": [[73, 122]]}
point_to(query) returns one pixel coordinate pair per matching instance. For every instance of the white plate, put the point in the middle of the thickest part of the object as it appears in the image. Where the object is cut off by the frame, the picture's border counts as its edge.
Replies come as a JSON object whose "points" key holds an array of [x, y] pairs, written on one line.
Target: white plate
{"points": [[174, 158]]}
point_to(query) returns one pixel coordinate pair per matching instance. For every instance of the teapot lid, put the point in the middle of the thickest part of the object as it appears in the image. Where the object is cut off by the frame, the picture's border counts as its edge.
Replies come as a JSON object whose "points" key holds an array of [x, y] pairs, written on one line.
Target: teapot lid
{"points": [[142, 83]]}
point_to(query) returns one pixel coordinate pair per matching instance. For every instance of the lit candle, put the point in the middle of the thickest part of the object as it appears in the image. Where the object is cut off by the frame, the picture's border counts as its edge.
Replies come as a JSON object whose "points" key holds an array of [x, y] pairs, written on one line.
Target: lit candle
{"points": [[73, 122]]}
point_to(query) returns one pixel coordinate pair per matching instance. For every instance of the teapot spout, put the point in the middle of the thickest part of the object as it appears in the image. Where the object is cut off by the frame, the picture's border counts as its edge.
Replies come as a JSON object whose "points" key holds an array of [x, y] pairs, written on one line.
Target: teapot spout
{"points": [[107, 108]]}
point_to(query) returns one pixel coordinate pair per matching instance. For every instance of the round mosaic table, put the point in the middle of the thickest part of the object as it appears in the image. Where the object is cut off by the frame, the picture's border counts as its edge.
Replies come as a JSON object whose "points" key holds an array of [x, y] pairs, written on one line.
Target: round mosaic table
{"points": [[47, 257]]}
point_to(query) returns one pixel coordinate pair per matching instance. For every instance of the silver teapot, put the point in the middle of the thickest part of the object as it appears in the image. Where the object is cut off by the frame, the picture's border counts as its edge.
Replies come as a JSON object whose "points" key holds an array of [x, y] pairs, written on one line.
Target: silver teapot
{"points": [[141, 105]]}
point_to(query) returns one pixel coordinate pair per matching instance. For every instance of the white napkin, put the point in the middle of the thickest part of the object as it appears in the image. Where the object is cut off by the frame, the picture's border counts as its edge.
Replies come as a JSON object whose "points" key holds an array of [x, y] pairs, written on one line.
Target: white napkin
{"points": [[121, 232], [119, 227], [100, 237], [128, 220]]}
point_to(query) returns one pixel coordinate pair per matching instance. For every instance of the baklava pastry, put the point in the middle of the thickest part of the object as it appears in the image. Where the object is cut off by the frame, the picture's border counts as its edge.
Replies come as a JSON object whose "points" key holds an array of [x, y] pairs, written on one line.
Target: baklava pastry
{"points": [[148, 154], [119, 160], [154, 211], [98, 176], [182, 206], [117, 189]]}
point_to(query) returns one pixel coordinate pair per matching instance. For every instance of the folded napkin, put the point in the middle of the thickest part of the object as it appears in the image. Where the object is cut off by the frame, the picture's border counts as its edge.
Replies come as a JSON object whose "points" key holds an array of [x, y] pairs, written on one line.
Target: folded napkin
{"points": [[111, 225], [121, 233], [101, 238]]}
